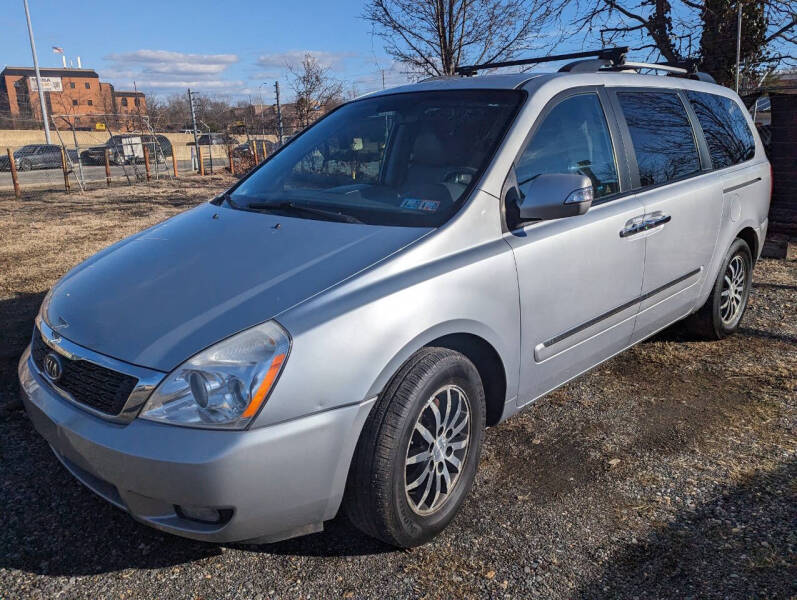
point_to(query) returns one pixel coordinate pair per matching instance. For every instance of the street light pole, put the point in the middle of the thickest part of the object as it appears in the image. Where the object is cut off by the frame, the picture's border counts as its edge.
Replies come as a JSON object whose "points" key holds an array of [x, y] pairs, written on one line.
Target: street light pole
{"points": [[279, 110], [38, 74], [738, 41]]}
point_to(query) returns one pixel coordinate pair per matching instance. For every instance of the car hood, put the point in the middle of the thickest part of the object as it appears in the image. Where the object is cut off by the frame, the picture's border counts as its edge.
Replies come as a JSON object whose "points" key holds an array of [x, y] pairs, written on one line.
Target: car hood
{"points": [[159, 297]]}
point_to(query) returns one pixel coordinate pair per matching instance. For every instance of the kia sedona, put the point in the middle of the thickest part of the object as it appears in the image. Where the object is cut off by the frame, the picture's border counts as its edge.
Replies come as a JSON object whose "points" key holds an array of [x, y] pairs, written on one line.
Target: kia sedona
{"points": [[336, 331]]}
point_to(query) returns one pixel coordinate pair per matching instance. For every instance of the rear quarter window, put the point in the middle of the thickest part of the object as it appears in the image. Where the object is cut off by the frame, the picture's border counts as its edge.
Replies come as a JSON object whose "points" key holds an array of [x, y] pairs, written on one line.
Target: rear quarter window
{"points": [[725, 128]]}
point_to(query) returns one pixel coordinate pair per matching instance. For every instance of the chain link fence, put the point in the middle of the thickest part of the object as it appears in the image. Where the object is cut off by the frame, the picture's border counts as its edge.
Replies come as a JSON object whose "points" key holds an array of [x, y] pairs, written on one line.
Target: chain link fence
{"points": [[90, 151]]}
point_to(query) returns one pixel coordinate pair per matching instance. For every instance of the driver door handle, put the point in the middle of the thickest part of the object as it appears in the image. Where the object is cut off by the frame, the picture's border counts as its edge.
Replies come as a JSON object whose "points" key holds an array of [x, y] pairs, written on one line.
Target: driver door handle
{"points": [[644, 223]]}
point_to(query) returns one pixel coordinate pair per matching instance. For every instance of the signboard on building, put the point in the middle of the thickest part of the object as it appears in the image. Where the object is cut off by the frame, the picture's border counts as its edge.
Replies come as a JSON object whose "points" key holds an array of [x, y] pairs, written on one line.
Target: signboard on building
{"points": [[50, 84]]}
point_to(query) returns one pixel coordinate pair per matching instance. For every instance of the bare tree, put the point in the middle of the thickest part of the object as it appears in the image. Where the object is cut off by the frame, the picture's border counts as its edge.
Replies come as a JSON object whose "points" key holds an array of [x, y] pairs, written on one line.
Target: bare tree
{"points": [[433, 37], [315, 89], [676, 29]]}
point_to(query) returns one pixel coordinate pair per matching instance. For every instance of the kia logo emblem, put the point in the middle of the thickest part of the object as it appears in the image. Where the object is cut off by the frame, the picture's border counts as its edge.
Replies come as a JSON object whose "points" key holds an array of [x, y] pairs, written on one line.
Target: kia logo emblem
{"points": [[52, 366]]}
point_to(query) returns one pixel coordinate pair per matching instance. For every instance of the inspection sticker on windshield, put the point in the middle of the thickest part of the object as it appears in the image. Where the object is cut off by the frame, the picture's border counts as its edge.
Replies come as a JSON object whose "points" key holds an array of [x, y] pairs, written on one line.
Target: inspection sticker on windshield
{"points": [[418, 204]]}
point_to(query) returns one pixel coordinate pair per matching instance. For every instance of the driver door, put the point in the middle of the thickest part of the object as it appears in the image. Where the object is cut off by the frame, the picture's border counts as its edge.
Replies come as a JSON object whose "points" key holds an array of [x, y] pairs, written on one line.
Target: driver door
{"points": [[579, 279]]}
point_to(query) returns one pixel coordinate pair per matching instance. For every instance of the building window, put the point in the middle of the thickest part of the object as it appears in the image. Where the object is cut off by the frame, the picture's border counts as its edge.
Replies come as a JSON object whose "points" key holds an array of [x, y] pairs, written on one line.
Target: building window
{"points": [[88, 86], [90, 102], [124, 101], [74, 102], [72, 84], [137, 102]]}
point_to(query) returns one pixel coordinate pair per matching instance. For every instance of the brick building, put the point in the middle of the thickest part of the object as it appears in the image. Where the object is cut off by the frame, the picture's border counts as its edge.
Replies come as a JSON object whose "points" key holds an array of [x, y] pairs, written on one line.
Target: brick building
{"points": [[74, 95]]}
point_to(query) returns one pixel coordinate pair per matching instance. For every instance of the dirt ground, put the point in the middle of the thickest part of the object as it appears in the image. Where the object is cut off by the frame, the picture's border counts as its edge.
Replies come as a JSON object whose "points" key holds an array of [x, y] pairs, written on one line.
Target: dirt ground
{"points": [[667, 472]]}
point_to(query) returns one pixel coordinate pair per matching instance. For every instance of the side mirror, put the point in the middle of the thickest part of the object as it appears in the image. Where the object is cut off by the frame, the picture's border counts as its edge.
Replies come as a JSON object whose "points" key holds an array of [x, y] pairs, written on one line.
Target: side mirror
{"points": [[554, 196]]}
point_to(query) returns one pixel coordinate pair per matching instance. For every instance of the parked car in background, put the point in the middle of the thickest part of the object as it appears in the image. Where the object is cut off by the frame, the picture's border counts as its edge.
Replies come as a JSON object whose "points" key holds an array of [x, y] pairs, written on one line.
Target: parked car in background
{"points": [[217, 139], [126, 149], [339, 327], [38, 156]]}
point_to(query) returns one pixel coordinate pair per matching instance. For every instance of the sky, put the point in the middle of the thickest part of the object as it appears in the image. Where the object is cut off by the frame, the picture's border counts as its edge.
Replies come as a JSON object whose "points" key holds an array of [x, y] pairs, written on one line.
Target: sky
{"points": [[227, 48]]}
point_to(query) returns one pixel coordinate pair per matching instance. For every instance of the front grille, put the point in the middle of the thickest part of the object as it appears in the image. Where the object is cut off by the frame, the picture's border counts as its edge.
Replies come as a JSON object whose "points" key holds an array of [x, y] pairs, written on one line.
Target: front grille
{"points": [[102, 389]]}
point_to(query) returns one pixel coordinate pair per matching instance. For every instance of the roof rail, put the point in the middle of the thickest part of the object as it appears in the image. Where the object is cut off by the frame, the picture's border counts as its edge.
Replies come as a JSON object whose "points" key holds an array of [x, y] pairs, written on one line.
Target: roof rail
{"points": [[685, 68], [611, 55], [654, 66]]}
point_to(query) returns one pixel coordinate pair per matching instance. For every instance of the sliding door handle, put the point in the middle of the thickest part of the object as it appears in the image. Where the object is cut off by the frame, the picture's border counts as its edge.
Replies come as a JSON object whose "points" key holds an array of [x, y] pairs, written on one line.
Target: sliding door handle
{"points": [[655, 220]]}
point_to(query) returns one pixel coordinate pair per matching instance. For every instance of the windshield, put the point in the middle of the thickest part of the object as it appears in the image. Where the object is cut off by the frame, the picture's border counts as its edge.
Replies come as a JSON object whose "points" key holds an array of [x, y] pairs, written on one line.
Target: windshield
{"points": [[403, 159]]}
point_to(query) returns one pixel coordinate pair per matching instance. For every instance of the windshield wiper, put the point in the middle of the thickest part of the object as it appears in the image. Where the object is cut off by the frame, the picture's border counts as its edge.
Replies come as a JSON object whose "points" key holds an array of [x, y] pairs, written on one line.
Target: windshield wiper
{"points": [[287, 206]]}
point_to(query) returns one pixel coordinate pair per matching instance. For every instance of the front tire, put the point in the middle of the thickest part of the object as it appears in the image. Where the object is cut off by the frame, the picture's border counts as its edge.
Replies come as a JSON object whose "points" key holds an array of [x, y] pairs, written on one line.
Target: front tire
{"points": [[720, 316], [418, 453]]}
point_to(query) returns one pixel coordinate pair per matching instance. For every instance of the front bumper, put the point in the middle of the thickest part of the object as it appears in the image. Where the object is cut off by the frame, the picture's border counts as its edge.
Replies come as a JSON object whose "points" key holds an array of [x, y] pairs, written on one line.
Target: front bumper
{"points": [[278, 481]]}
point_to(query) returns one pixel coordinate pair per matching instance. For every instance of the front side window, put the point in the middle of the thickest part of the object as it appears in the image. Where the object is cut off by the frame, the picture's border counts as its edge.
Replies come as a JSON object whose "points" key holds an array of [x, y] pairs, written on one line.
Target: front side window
{"points": [[572, 138], [727, 134], [662, 136], [402, 159]]}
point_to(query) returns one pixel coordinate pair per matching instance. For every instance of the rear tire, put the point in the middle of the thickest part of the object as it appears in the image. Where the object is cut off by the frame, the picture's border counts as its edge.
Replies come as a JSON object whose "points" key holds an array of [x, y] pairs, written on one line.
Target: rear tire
{"points": [[720, 316], [404, 483]]}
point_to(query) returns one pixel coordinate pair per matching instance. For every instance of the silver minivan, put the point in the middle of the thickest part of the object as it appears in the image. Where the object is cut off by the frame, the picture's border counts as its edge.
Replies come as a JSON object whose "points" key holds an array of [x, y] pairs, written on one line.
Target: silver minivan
{"points": [[338, 328]]}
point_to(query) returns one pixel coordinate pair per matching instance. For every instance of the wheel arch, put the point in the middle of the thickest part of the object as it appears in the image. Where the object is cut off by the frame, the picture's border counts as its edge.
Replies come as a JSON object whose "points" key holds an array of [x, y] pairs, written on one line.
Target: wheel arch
{"points": [[750, 236], [475, 341]]}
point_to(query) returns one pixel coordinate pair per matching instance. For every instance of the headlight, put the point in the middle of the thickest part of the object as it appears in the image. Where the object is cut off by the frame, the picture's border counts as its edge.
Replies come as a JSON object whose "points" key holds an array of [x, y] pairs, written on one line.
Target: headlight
{"points": [[225, 385]]}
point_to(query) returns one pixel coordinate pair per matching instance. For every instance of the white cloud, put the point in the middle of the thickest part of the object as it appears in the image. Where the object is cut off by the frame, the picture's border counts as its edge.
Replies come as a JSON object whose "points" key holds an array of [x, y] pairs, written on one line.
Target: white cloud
{"points": [[231, 86], [166, 70], [280, 60], [166, 57]]}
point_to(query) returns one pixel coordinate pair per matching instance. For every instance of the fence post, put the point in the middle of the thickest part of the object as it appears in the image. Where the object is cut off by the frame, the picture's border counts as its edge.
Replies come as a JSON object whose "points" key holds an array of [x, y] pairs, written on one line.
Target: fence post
{"points": [[199, 159], [146, 161], [174, 163], [13, 172], [107, 168], [254, 145], [66, 171], [232, 165]]}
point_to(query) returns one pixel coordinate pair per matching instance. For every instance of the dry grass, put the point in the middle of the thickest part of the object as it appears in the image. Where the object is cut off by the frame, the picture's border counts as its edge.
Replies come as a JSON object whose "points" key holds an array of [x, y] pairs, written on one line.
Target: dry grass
{"points": [[666, 472], [44, 234]]}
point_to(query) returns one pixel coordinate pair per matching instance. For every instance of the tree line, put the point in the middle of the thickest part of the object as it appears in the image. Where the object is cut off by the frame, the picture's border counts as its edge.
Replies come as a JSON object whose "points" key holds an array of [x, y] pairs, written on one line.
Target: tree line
{"points": [[434, 37]]}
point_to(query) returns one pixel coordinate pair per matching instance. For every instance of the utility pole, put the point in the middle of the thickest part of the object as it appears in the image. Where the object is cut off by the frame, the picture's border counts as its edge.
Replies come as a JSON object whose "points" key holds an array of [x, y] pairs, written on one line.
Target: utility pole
{"points": [[38, 74], [193, 122], [279, 111], [738, 41]]}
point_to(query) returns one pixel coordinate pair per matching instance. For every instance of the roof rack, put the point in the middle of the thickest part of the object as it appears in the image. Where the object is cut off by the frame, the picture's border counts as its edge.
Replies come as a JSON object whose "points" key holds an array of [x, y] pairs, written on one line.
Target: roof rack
{"points": [[603, 60], [612, 55]]}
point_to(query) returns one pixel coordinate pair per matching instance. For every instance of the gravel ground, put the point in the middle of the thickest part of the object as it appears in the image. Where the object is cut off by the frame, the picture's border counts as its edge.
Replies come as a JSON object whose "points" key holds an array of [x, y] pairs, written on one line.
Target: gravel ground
{"points": [[667, 472]]}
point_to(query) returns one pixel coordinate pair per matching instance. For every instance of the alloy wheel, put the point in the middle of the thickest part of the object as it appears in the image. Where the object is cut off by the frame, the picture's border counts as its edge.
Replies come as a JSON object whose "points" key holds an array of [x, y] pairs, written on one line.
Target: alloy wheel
{"points": [[437, 450], [733, 290]]}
